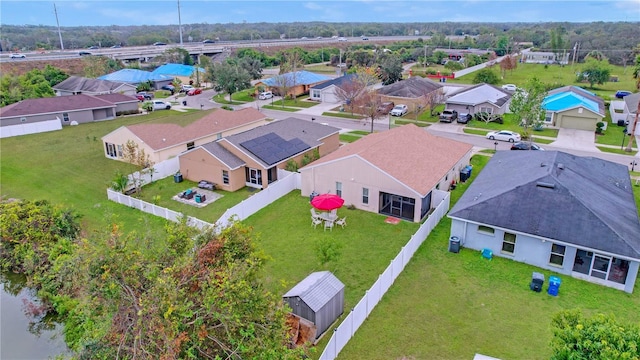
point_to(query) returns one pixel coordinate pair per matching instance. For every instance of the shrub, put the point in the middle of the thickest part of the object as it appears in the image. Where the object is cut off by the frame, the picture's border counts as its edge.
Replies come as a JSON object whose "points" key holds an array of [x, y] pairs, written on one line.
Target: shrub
{"points": [[227, 107], [292, 166], [599, 127]]}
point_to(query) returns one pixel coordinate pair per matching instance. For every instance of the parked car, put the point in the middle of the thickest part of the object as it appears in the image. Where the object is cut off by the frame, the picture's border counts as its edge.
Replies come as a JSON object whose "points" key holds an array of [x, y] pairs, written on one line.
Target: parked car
{"points": [[140, 97], [265, 95], [448, 116], [509, 87], [168, 87], [84, 53], [207, 185], [186, 88], [158, 43], [464, 118], [146, 95], [18, 56], [622, 93], [504, 135], [399, 110], [489, 117], [194, 91], [523, 145], [386, 107], [161, 105]]}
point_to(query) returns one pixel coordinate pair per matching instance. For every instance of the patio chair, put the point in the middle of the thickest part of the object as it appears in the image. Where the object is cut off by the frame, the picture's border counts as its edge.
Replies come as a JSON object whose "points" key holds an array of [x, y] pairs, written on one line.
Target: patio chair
{"points": [[342, 222], [314, 214], [315, 222], [328, 225]]}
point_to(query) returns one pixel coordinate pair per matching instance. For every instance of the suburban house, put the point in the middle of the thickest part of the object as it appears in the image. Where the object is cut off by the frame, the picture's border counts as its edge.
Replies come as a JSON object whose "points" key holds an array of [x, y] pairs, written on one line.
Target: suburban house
{"points": [[75, 85], [573, 107], [297, 83], [400, 172], [631, 110], [544, 57], [457, 54], [136, 77], [413, 92], [480, 98], [564, 213], [32, 116], [164, 141], [185, 73], [252, 158], [327, 91]]}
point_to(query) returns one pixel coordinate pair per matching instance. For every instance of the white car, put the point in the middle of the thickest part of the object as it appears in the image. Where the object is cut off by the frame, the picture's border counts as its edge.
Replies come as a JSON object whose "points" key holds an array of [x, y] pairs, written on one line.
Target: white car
{"points": [[265, 95], [342, 39], [509, 87], [186, 88], [504, 135], [161, 105], [399, 110], [18, 56]]}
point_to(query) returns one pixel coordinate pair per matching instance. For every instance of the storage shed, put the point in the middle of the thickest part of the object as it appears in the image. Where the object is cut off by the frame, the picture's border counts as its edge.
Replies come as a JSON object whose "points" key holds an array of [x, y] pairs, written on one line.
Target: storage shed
{"points": [[318, 298]]}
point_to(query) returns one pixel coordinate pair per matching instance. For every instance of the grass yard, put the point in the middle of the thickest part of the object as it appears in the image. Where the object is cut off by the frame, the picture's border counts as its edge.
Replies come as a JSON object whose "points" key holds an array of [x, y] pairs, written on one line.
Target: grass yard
{"points": [[342, 115], [326, 69], [511, 124], [299, 102], [238, 98], [416, 123], [279, 107], [475, 131], [451, 306]]}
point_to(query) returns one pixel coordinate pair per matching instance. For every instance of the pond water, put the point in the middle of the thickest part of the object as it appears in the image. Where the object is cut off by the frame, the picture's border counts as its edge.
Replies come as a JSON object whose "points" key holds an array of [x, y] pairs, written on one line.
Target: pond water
{"points": [[24, 333]]}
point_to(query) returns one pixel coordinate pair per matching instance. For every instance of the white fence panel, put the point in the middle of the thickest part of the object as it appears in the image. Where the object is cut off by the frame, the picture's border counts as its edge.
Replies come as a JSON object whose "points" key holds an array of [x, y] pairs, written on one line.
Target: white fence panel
{"points": [[359, 313], [30, 128]]}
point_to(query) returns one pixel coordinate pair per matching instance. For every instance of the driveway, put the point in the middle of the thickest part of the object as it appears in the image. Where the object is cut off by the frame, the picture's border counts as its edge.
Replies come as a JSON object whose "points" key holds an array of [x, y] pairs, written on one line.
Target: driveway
{"points": [[576, 139]]}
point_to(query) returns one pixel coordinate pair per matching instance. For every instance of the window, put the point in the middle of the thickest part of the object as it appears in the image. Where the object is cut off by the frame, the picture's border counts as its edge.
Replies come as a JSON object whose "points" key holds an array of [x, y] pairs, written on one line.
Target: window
{"points": [[119, 151], [111, 149], [508, 243], [557, 254], [315, 94], [23, 119], [365, 196], [190, 145], [219, 136], [225, 177], [488, 110], [486, 229], [65, 117], [548, 117], [339, 188]]}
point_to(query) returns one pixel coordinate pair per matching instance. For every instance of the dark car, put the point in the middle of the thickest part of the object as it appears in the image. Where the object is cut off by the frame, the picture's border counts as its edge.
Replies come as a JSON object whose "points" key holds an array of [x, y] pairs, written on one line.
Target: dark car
{"points": [[385, 107], [169, 87], [207, 41], [622, 93], [523, 145], [145, 95], [158, 43], [84, 53], [464, 118], [207, 185]]}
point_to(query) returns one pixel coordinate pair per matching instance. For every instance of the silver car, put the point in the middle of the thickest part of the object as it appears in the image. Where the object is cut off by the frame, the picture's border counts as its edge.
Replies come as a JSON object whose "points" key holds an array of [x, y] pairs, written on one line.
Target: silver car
{"points": [[399, 110]]}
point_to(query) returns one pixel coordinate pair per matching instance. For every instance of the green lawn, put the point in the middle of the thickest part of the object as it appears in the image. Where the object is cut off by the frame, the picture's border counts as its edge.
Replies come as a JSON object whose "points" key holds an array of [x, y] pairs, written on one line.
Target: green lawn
{"points": [[238, 98], [279, 107], [342, 115], [475, 131], [510, 124], [346, 138], [417, 123], [321, 69], [299, 102]]}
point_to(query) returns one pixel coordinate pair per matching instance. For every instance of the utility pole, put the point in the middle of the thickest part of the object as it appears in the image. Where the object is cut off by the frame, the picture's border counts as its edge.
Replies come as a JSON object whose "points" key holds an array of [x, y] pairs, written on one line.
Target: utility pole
{"points": [[179, 23], [632, 133], [575, 47], [55, 11]]}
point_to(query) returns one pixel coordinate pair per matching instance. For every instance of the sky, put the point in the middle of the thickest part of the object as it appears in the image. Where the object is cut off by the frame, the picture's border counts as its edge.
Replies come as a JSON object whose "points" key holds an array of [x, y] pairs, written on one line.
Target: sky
{"points": [[165, 12]]}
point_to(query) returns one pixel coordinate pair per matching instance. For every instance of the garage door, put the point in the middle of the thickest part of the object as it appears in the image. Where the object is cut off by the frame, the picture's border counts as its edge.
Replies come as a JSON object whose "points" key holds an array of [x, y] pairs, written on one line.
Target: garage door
{"points": [[580, 123]]}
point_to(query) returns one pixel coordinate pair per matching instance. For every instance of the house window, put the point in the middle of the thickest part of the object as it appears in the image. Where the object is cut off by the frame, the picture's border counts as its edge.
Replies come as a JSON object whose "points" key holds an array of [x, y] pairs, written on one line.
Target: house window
{"points": [[365, 196], [508, 243], [191, 145], [65, 117], [339, 188], [119, 151], [488, 110], [548, 117], [485, 229], [315, 94], [111, 149], [23, 119], [557, 255], [225, 177], [219, 136]]}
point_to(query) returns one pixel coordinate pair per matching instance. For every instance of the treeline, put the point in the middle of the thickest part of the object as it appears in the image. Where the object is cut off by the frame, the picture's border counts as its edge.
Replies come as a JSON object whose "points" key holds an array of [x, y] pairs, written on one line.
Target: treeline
{"points": [[615, 39]]}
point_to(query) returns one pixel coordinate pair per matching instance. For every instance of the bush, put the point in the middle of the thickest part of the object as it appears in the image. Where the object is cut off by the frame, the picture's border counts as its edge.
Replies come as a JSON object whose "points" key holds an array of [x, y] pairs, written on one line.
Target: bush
{"points": [[599, 127], [487, 76], [227, 107]]}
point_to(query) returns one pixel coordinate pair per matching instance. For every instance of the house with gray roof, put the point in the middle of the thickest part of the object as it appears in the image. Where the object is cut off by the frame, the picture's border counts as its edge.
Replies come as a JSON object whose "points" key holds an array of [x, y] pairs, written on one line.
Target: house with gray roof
{"points": [[75, 85], [412, 92], [318, 298], [480, 98], [631, 103], [328, 91], [252, 157], [568, 214]]}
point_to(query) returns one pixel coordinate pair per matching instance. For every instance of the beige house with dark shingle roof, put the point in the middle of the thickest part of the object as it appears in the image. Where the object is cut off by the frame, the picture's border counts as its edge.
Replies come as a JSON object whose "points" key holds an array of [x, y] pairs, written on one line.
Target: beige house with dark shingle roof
{"points": [[75, 85], [393, 173], [412, 92], [164, 141]]}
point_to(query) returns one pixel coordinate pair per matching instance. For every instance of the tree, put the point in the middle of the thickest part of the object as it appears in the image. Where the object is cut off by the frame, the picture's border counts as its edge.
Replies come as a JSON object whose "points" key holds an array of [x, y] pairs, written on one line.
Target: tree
{"points": [[252, 66], [230, 77], [34, 85], [175, 55], [526, 105], [54, 75], [119, 182], [368, 104], [558, 44], [453, 66], [291, 61], [595, 72], [348, 91], [487, 76], [95, 66], [636, 72], [508, 63], [138, 157], [598, 337], [502, 46], [429, 100], [390, 69]]}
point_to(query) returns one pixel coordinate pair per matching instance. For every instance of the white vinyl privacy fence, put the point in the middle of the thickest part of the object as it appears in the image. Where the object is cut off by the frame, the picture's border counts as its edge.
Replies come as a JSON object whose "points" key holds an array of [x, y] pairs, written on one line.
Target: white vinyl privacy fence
{"points": [[345, 331]]}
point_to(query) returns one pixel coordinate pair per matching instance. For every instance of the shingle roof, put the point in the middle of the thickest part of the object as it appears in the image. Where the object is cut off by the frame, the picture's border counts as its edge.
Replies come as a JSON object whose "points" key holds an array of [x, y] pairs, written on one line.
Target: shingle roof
{"points": [[117, 98], [176, 70], [411, 88], [296, 78], [82, 84], [161, 136], [408, 153], [224, 155], [134, 76], [479, 94], [568, 97], [317, 289], [337, 81], [632, 102], [310, 133], [54, 104], [578, 200]]}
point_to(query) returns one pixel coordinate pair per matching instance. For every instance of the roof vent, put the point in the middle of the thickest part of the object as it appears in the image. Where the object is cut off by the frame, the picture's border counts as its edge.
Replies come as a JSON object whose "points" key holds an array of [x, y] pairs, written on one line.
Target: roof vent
{"points": [[561, 166], [543, 164], [546, 185]]}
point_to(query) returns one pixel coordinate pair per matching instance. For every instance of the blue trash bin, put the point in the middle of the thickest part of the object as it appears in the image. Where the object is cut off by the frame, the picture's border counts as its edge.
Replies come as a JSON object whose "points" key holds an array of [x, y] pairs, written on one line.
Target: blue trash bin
{"points": [[554, 285]]}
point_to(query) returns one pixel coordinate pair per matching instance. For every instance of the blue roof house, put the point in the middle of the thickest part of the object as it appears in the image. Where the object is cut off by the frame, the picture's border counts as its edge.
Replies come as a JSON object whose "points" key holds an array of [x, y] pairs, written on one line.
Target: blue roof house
{"points": [[297, 83], [572, 107], [135, 77], [182, 72]]}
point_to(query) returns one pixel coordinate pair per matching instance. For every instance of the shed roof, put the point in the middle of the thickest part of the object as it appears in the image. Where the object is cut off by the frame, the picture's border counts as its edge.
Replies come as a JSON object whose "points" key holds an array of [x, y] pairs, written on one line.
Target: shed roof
{"points": [[134, 76], [54, 104], [414, 87], [584, 201], [479, 94], [568, 97], [302, 77], [83, 84], [317, 289], [176, 70]]}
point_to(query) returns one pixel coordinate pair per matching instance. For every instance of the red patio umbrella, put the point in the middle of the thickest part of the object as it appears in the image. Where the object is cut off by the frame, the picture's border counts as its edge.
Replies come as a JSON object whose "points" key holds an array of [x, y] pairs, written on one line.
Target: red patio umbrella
{"points": [[327, 202]]}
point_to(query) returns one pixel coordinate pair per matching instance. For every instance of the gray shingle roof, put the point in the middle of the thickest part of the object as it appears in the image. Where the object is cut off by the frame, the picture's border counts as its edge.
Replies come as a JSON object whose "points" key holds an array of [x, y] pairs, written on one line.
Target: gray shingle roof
{"points": [[337, 81], [632, 102], [591, 203], [411, 88], [82, 84], [479, 94], [224, 155], [316, 289], [54, 104]]}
